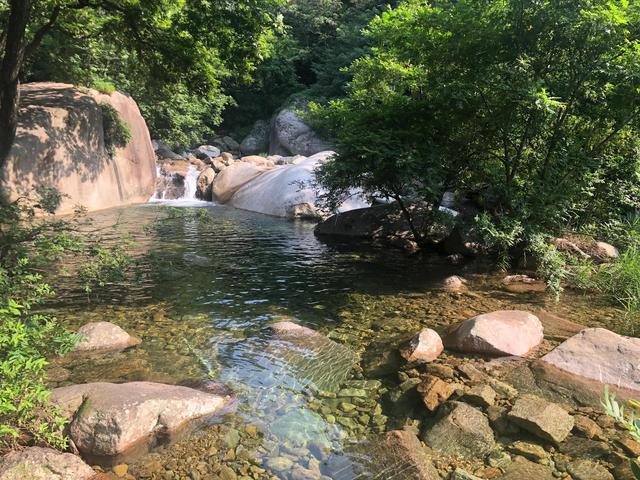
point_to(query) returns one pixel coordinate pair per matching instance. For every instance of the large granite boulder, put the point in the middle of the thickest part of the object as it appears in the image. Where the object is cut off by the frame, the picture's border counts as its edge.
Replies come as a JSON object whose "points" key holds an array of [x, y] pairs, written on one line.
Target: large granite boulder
{"points": [[232, 178], [257, 141], [104, 336], [287, 191], [108, 419], [601, 355], [460, 430], [505, 332], [60, 143], [587, 248], [35, 463], [290, 135]]}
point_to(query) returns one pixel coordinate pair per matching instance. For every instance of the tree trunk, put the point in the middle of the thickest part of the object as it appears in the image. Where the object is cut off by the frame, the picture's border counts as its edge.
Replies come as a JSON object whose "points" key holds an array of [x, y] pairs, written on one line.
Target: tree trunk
{"points": [[10, 74], [407, 216]]}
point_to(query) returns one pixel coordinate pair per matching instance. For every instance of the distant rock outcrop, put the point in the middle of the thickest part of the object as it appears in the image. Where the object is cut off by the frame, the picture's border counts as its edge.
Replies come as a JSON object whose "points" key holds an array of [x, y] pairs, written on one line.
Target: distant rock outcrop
{"points": [[60, 143], [290, 135]]}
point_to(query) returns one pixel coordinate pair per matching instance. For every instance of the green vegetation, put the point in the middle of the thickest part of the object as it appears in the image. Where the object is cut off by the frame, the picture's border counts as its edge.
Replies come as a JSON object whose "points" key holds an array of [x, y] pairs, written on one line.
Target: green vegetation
{"points": [[629, 422], [117, 133], [31, 243]]}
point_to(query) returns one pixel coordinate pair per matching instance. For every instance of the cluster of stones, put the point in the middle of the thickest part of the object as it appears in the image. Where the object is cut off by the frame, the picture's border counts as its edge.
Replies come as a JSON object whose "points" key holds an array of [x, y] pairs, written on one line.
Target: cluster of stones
{"points": [[479, 427]]}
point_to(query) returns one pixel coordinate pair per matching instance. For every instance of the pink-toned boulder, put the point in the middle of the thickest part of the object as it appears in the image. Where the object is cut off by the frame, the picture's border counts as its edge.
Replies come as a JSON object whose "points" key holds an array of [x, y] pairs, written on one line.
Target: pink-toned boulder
{"points": [[505, 332], [601, 355], [424, 347], [104, 336], [286, 329], [35, 463], [453, 284], [60, 143], [109, 419], [232, 178]]}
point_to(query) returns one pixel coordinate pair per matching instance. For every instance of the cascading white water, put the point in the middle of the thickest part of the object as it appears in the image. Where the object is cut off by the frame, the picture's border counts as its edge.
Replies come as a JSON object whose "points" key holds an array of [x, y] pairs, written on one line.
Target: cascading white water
{"points": [[190, 181]]}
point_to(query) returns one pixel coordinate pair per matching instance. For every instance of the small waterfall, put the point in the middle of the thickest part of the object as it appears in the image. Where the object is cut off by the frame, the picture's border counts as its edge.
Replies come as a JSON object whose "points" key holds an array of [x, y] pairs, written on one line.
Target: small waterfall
{"points": [[176, 186], [190, 181]]}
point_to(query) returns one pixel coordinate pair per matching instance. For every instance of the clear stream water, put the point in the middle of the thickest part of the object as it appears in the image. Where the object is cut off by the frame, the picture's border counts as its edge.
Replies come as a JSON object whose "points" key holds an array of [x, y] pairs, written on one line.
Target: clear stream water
{"points": [[206, 291]]}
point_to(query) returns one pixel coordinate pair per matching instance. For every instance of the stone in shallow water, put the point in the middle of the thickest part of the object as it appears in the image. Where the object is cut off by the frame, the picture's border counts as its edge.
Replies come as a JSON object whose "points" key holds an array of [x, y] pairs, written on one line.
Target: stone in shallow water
{"points": [[108, 419], [542, 418], [314, 359], [104, 336], [424, 347], [505, 332], [460, 430], [601, 355], [35, 463]]}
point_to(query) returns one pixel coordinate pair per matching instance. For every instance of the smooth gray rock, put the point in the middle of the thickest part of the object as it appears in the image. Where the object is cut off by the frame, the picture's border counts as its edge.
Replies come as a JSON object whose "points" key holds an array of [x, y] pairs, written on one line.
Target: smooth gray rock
{"points": [[104, 336], [257, 141], [290, 135]]}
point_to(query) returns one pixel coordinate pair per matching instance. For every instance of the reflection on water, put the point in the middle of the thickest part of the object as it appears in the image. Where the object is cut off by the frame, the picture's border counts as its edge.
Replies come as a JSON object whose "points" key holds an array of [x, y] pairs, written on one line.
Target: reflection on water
{"points": [[206, 292]]}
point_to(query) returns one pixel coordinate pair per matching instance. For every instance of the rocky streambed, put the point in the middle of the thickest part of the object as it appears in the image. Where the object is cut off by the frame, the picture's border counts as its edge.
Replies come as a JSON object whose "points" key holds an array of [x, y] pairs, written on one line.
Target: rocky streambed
{"points": [[300, 360]]}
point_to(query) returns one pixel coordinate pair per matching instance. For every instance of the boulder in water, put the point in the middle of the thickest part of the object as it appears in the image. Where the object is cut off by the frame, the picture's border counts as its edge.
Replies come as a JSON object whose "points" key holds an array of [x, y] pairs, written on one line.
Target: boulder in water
{"points": [[232, 178], [286, 191], [104, 336], [60, 142], [108, 419], [204, 182], [505, 332], [35, 463]]}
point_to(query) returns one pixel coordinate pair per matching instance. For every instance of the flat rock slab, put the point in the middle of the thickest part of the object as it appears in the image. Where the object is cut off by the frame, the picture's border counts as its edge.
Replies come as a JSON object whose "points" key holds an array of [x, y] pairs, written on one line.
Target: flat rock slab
{"points": [[35, 463], [505, 332], [601, 355], [108, 419], [104, 336], [460, 430], [544, 419]]}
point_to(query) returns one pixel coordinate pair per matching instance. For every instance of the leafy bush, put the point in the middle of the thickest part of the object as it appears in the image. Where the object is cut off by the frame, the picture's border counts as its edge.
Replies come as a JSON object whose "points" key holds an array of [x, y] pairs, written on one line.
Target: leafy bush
{"points": [[620, 280], [117, 133], [629, 422], [103, 86], [462, 96]]}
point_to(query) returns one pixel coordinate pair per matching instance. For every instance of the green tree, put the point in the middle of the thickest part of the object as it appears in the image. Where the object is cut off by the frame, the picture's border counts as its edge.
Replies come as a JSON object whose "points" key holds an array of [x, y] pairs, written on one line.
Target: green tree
{"points": [[173, 57], [532, 105]]}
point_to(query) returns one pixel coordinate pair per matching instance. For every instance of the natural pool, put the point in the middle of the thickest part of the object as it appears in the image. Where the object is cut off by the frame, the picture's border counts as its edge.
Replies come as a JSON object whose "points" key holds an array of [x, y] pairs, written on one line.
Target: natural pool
{"points": [[205, 293]]}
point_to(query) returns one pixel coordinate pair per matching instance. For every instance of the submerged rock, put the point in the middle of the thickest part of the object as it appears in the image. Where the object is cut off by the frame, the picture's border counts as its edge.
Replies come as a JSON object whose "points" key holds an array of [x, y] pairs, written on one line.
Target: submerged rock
{"points": [[461, 430], [601, 355], [407, 455], [424, 347], [104, 336], [108, 419], [523, 283], [314, 359], [544, 419], [35, 463], [505, 332]]}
